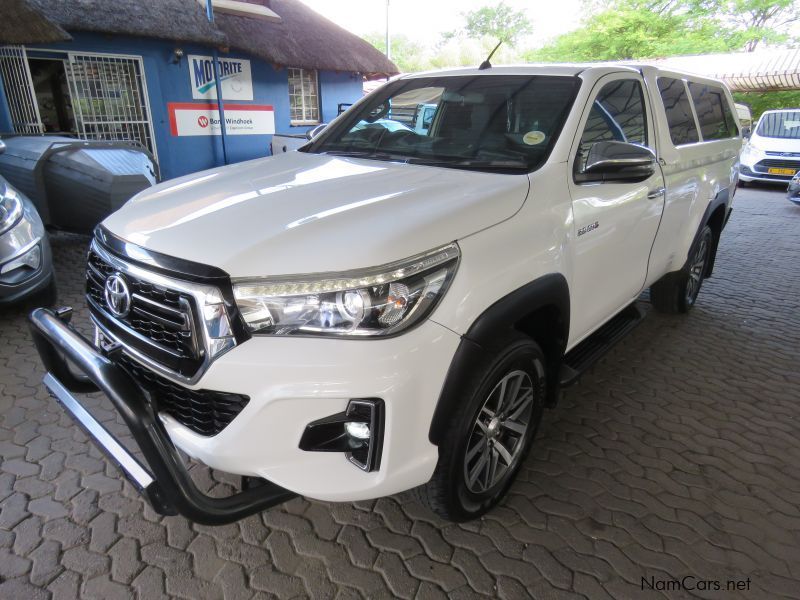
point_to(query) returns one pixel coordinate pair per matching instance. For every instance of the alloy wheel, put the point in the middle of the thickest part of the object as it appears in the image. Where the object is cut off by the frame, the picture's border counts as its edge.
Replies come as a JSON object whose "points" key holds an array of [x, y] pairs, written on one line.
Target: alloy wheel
{"points": [[498, 433], [696, 270]]}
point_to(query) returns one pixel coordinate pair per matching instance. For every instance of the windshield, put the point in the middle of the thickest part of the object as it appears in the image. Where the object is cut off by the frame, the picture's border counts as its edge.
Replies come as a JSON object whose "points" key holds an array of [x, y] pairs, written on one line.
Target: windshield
{"points": [[780, 125], [486, 122]]}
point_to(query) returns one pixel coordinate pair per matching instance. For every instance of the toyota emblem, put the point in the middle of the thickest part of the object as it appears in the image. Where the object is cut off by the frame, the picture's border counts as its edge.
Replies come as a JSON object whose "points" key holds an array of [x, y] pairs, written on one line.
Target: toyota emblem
{"points": [[118, 296]]}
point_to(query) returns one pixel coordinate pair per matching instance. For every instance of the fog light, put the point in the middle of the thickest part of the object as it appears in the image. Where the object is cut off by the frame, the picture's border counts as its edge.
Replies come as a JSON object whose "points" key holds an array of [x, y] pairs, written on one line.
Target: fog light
{"points": [[357, 432], [360, 431]]}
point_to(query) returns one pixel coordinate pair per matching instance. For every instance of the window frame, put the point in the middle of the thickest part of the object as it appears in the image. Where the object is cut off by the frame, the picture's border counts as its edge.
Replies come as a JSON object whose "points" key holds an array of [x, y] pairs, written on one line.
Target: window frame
{"points": [[692, 109], [303, 95], [712, 88], [599, 85]]}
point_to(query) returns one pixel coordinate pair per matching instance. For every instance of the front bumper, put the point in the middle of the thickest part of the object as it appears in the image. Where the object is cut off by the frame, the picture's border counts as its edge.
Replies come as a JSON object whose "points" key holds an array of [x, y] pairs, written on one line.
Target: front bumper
{"points": [[293, 381], [18, 281], [753, 172], [164, 480]]}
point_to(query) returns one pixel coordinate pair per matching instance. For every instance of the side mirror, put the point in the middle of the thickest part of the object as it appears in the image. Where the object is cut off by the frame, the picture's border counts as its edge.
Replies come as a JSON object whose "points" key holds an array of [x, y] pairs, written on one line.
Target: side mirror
{"points": [[617, 161], [2, 146], [315, 131], [746, 133]]}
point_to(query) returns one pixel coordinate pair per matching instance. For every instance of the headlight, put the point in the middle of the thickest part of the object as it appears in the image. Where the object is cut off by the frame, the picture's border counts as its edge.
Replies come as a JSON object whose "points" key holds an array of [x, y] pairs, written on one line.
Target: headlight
{"points": [[750, 152], [10, 209], [371, 302]]}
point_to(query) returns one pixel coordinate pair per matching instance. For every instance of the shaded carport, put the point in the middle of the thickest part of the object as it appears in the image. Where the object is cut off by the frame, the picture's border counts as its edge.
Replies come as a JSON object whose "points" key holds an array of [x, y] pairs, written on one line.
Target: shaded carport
{"points": [[760, 71]]}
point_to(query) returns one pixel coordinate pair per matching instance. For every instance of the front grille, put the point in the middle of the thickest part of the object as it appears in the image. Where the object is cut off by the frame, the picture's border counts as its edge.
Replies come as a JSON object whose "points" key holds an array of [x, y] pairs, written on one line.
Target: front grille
{"points": [[162, 318], [203, 411], [784, 154], [772, 163]]}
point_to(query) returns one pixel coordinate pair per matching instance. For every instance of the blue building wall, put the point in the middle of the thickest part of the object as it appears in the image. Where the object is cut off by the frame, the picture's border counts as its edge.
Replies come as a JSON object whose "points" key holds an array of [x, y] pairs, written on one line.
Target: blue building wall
{"points": [[5, 112], [168, 82]]}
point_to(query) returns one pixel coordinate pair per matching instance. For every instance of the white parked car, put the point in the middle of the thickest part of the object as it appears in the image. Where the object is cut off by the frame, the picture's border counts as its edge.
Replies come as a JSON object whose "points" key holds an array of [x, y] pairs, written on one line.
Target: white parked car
{"points": [[773, 151], [392, 309]]}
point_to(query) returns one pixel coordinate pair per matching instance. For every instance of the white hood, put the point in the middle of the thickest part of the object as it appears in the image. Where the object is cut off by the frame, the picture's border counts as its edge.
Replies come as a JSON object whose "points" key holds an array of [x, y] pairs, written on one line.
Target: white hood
{"points": [[775, 144], [306, 213]]}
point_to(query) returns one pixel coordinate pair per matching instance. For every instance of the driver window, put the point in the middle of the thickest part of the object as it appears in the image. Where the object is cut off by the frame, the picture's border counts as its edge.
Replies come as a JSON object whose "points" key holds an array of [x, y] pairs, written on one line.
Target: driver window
{"points": [[617, 114]]}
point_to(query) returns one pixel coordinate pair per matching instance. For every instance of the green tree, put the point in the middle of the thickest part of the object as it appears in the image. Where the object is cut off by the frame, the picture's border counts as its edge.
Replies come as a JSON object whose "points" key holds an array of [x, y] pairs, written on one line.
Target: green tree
{"points": [[409, 56], [499, 22], [630, 32], [762, 20], [631, 29], [761, 101]]}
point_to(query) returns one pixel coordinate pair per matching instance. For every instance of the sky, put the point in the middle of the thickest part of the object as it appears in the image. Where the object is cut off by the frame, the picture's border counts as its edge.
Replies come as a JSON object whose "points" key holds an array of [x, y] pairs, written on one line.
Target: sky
{"points": [[425, 20]]}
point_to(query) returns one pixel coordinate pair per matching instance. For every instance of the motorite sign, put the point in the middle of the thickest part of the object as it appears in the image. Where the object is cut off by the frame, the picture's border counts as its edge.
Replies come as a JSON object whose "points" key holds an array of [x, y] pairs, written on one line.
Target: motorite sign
{"points": [[234, 78], [189, 118]]}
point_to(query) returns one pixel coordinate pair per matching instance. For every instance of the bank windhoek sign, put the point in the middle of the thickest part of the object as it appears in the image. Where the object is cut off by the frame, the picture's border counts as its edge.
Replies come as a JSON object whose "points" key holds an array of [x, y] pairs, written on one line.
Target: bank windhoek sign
{"points": [[234, 77], [201, 118]]}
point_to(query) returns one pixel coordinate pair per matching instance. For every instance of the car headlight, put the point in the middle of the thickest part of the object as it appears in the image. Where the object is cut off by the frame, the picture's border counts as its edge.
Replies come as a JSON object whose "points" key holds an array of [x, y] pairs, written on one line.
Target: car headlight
{"points": [[10, 209], [750, 152], [371, 302]]}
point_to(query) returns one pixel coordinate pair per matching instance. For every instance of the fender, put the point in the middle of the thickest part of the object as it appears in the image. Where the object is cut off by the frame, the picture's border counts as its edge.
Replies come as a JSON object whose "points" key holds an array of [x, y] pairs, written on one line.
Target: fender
{"points": [[507, 315], [722, 198]]}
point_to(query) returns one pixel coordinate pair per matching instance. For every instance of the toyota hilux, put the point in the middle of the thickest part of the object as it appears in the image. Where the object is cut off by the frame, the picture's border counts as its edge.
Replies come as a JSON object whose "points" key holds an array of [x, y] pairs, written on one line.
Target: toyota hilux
{"points": [[391, 309]]}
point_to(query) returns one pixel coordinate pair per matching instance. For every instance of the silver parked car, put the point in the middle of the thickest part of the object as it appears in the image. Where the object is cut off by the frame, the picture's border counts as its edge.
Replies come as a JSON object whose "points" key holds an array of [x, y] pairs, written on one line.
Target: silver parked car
{"points": [[26, 263], [793, 191]]}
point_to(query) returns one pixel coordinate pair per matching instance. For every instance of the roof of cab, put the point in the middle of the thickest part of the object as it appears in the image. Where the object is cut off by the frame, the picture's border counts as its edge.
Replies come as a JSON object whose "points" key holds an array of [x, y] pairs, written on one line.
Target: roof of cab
{"points": [[566, 69], [586, 70]]}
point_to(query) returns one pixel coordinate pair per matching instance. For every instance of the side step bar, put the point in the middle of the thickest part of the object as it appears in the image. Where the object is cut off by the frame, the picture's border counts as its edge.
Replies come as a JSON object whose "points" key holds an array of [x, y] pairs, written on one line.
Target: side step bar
{"points": [[581, 358]]}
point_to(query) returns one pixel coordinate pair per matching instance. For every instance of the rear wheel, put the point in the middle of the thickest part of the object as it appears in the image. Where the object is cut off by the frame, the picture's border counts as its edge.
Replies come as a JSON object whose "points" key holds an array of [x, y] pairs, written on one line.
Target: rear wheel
{"points": [[677, 292], [490, 434]]}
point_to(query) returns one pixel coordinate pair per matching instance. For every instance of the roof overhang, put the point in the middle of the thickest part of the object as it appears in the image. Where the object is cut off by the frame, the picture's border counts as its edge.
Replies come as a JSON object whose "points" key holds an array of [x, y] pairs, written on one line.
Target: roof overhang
{"points": [[243, 9]]}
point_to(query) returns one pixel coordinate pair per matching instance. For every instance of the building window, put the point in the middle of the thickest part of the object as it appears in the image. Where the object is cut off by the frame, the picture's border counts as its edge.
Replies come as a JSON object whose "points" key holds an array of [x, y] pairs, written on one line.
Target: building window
{"points": [[303, 97]]}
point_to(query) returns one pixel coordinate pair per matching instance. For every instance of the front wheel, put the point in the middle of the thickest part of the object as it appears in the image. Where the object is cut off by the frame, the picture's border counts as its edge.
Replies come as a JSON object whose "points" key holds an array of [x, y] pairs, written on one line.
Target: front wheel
{"points": [[490, 434], [677, 292]]}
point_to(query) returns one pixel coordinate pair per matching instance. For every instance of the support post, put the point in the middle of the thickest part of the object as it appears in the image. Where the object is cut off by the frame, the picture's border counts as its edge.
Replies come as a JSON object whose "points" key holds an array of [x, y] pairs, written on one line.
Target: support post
{"points": [[218, 87]]}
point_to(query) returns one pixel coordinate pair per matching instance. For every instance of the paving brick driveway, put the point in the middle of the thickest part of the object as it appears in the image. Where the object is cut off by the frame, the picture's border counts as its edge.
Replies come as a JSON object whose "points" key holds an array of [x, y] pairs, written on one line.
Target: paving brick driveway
{"points": [[678, 455]]}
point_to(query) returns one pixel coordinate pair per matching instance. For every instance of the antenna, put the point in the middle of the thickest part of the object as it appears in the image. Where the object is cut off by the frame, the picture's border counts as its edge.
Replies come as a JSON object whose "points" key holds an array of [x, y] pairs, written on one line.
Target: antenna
{"points": [[486, 64]]}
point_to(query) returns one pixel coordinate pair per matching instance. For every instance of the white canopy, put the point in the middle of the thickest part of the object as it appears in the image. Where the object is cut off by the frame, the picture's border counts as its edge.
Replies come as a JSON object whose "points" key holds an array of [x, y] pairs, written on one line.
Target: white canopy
{"points": [[760, 71]]}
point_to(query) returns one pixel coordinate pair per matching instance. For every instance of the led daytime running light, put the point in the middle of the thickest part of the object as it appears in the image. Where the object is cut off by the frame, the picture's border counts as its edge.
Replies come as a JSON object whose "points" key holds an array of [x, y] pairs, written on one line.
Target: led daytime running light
{"points": [[294, 286]]}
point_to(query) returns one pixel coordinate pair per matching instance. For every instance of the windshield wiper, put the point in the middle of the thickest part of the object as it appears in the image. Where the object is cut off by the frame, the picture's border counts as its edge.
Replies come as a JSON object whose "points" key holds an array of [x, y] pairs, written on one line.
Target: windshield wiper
{"points": [[454, 162], [366, 154], [466, 163]]}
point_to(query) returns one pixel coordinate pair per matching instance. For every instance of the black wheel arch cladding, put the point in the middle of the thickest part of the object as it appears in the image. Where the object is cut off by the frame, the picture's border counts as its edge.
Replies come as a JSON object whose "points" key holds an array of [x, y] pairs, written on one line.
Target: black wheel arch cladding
{"points": [[547, 297]]}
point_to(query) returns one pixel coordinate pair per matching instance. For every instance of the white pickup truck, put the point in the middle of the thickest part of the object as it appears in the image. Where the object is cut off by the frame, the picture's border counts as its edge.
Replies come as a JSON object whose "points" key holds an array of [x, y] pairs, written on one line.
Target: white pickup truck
{"points": [[388, 308]]}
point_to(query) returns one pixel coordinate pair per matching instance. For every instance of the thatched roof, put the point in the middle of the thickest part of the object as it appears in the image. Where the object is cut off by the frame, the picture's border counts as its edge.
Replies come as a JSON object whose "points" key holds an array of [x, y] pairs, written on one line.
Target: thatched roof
{"points": [[178, 20], [21, 23], [303, 38]]}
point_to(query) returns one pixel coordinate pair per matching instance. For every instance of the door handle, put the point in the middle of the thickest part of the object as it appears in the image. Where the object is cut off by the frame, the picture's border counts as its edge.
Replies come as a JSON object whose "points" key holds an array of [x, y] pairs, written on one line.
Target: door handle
{"points": [[656, 193]]}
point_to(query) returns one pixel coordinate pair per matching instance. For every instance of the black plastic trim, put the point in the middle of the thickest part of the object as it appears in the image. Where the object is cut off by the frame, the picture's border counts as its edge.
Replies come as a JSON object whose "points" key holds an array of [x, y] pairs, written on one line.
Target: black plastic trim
{"points": [[178, 268], [155, 261], [493, 325], [172, 490], [721, 199], [328, 434]]}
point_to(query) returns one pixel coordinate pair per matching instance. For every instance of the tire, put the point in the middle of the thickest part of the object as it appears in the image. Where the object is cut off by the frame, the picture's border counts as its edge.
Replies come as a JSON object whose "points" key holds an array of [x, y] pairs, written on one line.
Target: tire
{"points": [[676, 293], [461, 489]]}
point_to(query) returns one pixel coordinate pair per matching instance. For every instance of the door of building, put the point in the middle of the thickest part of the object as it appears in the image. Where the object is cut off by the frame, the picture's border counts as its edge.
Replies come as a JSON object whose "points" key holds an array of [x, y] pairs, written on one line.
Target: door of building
{"points": [[109, 98], [105, 96], [19, 91]]}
